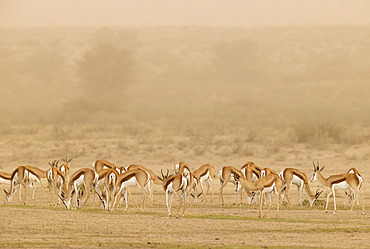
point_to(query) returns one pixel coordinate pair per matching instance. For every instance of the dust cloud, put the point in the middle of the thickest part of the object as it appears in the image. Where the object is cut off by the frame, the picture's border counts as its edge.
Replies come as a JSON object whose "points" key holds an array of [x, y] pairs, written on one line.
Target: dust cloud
{"points": [[197, 65]]}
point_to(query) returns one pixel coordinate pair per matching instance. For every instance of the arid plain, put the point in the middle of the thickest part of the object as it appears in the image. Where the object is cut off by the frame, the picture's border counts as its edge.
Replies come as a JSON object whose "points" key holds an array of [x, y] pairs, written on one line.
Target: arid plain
{"points": [[155, 96], [36, 224]]}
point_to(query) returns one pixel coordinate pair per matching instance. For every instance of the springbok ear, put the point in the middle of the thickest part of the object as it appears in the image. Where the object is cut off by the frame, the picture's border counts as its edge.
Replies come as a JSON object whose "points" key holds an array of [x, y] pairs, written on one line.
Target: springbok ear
{"points": [[6, 192], [322, 168]]}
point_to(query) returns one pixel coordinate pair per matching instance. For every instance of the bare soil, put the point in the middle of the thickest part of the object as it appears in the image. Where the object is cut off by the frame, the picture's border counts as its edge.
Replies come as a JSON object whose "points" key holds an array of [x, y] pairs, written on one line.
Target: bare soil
{"points": [[37, 225]]}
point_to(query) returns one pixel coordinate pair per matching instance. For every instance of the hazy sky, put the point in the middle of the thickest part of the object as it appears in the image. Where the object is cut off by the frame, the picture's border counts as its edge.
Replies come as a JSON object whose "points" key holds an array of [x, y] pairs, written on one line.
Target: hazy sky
{"points": [[182, 12]]}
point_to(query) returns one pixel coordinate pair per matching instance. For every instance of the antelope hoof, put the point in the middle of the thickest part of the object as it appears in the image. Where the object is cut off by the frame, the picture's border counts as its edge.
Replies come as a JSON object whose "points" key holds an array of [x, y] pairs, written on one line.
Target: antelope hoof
{"points": [[177, 216], [363, 213]]}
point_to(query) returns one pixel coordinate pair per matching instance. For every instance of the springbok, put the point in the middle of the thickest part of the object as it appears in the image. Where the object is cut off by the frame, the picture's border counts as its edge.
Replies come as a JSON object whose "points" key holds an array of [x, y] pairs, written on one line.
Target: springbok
{"points": [[298, 178], [57, 181], [353, 197], [83, 177], [131, 178], [228, 174], [21, 175], [268, 184], [153, 178], [347, 181], [103, 164], [251, 173], [173, 184], [65, 167], [204, 174]]}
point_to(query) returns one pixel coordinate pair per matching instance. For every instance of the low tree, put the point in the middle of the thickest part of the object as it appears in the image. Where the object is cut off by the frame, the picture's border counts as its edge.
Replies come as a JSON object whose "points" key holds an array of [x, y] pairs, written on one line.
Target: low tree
{"points": [[104, 73]]}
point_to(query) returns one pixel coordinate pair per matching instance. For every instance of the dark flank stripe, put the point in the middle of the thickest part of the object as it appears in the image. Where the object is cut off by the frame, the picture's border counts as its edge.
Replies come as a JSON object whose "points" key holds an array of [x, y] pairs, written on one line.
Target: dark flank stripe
{"points": [[33, 172], [128, 177], [299, 175], [168, 182], [342, 179], [204, 173], [75, 177]]}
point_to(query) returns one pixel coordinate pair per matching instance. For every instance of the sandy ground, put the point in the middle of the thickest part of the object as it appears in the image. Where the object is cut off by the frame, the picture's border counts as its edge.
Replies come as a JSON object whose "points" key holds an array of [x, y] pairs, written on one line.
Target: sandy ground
{"points": [[37, 225]]}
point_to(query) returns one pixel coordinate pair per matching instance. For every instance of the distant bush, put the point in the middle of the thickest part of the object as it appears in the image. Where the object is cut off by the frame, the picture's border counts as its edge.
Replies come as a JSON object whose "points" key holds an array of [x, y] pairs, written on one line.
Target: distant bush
{"points": [[308, 131]]}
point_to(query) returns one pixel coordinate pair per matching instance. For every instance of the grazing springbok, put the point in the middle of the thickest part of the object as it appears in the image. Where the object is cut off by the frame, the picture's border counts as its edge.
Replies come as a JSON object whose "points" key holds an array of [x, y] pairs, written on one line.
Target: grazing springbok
{"points": [[173, 184], [228, 174], [153, 178], [267, 171], [21, 175], [182, 168], [131, 178], [5, 178], [83, 177], [251, 173], [347, 181], [269, 184], [204, 174], [65, 167], [298, 178], [57, 181], [102, 164], [107, 178]]}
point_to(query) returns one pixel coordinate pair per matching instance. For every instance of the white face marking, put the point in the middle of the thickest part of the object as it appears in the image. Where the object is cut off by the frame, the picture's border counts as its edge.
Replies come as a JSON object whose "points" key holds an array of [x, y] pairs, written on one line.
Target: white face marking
{"points": [[314, 176]]}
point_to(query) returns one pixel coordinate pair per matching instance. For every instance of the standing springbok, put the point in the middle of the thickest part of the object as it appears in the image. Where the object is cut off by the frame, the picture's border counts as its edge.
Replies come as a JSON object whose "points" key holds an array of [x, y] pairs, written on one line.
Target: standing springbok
{"points": [[83, 177], [347, 181], [131, 178], [173, 184], [353, 197], [269, 184], [298, 178]]}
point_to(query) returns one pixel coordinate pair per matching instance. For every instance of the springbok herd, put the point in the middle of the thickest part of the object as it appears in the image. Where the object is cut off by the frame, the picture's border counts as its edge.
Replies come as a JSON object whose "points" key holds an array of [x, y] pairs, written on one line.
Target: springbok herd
{"points": [[110, 183]]}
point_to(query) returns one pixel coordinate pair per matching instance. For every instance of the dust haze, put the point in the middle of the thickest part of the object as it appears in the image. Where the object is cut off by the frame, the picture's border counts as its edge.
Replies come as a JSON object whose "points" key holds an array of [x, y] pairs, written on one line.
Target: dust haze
{"points": [[279, 83], [175, 68]]}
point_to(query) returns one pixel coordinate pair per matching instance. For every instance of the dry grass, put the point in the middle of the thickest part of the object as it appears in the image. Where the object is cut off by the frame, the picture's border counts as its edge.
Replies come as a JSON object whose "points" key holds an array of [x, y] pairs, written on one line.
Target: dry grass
{"points": [[205, 224]]}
